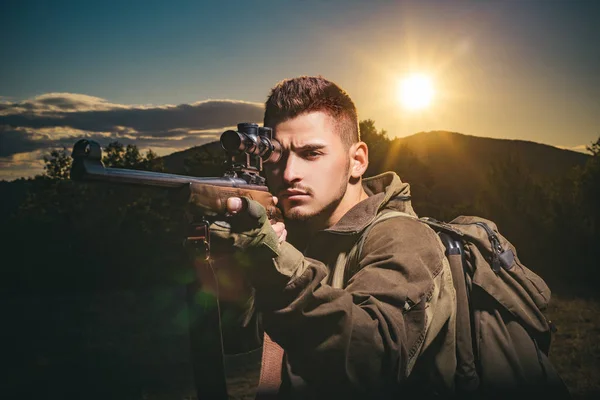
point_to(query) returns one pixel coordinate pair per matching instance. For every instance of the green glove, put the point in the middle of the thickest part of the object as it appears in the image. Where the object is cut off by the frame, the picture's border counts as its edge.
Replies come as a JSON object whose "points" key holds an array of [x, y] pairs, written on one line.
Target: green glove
{"points": [[248, 230], [269, 265]]}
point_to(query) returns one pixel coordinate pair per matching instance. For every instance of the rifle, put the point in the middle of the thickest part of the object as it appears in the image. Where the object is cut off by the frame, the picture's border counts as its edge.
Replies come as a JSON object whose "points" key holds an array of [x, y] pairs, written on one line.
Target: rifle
{"points": [[248, 148], [208, 195]]}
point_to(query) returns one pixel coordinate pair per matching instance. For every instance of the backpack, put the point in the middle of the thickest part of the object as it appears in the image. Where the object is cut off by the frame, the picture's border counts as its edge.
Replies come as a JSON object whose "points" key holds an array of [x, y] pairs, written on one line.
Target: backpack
{"points": [[502, 336]]}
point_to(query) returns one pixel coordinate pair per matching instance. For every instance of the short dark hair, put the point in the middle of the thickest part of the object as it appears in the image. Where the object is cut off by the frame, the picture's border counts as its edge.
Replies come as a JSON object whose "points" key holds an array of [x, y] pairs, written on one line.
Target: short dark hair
{"points": [[304, 94]]}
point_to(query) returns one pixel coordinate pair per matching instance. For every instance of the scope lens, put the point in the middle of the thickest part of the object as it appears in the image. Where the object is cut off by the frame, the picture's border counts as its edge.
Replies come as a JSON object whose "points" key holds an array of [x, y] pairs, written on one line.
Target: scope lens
{"points": [[232, 141]]}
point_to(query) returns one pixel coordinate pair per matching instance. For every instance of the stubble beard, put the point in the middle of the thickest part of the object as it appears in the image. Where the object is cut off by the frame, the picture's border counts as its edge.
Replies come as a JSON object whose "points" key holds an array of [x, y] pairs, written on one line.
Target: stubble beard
{"points": [[297, 216]]}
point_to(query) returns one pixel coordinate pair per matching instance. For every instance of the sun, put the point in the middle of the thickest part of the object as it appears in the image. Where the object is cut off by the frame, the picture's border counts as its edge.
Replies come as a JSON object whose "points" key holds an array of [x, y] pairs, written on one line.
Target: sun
{"points": [[416, 92]]}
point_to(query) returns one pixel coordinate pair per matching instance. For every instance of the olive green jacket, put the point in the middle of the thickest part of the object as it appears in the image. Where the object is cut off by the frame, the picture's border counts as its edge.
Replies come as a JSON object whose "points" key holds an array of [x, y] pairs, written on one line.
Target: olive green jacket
{"points": [[385, 331]]}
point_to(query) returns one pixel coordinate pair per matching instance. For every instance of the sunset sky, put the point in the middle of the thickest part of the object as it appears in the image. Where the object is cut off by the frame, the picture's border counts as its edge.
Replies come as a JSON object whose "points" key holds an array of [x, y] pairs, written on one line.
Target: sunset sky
{"points": [[171, 75]]}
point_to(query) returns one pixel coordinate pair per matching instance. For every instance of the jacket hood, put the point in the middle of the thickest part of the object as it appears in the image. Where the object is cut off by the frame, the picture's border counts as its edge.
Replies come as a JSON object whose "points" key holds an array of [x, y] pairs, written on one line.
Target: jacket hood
{"points": [[386, 191]]}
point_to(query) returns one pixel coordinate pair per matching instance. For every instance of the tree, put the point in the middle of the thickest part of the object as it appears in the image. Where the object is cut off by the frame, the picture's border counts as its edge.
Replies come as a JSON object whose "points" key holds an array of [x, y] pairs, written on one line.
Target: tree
{"points": [[589, 186], [594, 148], [386, 154], [151, 162], [116, 155], [57, 164], [378, 143]]}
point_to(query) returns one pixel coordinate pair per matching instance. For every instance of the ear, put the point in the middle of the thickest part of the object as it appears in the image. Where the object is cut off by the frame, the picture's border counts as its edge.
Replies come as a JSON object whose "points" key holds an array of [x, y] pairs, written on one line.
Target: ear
{"points": [[359, 159]]}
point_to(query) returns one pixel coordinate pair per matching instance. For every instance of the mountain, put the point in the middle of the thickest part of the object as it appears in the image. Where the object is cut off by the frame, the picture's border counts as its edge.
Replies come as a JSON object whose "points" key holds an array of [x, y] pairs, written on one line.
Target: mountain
{"points": [[442, 150], [449, 164], [460, 164]]}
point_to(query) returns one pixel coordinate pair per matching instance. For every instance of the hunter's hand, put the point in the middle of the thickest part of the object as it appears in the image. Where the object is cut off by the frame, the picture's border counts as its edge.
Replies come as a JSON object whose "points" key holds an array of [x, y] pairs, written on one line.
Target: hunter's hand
{"points": [[236, 205], [247, 228], [244, 240], [255, 242]]}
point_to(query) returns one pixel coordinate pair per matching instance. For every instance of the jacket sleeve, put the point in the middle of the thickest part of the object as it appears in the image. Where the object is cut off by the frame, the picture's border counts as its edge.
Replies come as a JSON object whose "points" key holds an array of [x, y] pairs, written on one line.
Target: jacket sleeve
{"points": [[364, 338]]}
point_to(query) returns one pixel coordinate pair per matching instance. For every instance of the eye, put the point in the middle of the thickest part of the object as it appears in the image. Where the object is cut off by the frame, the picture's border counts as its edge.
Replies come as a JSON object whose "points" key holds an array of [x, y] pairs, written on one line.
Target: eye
{"points": [[312, 154]]}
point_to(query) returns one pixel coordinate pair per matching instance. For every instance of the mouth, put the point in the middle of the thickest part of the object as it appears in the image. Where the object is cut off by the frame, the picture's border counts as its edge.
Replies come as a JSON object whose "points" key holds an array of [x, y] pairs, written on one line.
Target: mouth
{"points": [[293, 194]]}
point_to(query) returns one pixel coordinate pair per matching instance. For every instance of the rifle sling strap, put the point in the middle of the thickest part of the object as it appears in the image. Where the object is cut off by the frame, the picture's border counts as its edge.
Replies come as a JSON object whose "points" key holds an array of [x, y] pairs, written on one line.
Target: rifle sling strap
{"points": [[270, 371]]}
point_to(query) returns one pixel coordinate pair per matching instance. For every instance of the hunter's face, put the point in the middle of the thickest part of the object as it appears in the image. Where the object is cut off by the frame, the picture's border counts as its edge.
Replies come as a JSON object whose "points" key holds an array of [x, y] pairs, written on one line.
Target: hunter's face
{"points": [[313, 174]]}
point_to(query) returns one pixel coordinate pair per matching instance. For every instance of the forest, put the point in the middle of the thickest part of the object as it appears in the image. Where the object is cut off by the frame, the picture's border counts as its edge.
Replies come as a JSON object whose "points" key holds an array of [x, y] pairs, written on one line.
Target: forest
{"points": [[93, 273]]}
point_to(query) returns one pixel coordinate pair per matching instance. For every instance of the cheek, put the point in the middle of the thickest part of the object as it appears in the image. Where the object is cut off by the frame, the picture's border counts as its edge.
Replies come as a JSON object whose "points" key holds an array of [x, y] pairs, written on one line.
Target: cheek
{"points": [[330, 175], [337, 167]]}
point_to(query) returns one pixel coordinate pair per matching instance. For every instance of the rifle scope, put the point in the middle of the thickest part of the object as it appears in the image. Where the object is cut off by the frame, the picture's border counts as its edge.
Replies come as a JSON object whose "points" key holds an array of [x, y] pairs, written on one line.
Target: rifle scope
{"points": [[253, 140]]}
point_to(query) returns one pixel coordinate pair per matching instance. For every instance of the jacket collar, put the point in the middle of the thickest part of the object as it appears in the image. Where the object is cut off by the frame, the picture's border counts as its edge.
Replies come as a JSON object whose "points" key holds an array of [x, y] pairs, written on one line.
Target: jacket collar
{"points": [[386, 191]]}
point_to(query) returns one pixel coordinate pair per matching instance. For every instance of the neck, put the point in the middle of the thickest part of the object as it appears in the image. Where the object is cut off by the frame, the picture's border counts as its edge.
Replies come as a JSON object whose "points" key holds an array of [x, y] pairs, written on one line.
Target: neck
{"points": [[354, 195]]}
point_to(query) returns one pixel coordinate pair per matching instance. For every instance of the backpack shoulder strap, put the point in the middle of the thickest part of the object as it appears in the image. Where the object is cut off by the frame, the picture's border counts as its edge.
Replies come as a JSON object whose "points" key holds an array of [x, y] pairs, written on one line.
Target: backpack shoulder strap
{"points": [[347, 262], [467, 376]]}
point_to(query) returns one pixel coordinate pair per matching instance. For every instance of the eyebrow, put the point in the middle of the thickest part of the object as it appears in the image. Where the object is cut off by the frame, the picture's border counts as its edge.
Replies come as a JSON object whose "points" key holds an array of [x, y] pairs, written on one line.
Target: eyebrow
{"points": [[310, 147]]}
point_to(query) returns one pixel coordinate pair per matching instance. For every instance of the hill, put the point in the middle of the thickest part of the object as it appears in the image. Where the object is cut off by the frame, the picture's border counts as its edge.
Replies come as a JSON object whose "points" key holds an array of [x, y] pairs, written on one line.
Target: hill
{"points": [[175, 163], [461, 164], [448, 164]]}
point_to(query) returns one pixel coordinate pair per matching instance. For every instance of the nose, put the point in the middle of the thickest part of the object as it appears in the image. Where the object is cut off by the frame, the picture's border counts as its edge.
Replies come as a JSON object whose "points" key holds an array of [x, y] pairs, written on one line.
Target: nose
{"points": [[292, 170]]}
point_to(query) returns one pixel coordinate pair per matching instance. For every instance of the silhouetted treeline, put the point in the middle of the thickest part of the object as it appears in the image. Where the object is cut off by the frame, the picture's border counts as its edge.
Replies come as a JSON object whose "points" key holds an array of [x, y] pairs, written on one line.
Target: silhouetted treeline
{"points": [[61, 235]]}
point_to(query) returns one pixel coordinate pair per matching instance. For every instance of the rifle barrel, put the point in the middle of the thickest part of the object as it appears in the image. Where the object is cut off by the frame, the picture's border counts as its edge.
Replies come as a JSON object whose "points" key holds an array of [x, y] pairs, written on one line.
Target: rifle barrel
{"points": [[87, 166]]}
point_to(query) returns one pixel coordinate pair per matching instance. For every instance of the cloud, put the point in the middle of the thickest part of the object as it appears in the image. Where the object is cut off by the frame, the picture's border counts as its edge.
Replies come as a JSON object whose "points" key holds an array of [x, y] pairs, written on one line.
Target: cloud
{"points": [[54, 120], [21, 165], [95, 114], [72, 102]]}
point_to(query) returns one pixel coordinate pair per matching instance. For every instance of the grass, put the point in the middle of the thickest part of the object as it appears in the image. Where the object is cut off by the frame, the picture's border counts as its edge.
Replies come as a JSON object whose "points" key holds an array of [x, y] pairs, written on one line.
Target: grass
{"points": [[575, 350]]}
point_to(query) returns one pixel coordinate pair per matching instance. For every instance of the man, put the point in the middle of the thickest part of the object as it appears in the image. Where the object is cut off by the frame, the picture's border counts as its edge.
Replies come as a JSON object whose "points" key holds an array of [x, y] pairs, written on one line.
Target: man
{"points": [[376, 329]]}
